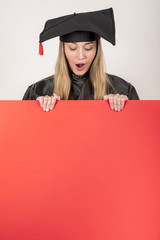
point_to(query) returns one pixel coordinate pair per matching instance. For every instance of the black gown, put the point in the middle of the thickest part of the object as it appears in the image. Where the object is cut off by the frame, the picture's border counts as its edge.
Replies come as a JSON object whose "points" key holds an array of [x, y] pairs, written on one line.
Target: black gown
{"points": [[81, 88]]}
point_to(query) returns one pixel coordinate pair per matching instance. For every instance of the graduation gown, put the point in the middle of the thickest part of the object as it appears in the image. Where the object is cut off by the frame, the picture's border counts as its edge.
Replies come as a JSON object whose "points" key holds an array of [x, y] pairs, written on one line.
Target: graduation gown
{"points": [[81, 88]]}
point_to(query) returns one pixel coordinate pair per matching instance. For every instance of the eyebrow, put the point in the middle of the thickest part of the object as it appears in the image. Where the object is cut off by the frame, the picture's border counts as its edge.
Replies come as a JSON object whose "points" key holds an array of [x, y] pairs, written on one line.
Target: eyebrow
{"points": [[89, 42], [85, 43]]}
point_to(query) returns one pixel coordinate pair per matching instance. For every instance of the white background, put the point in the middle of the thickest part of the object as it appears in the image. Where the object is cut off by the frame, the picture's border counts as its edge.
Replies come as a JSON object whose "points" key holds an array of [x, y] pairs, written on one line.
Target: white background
{"points": [[136, 56]]}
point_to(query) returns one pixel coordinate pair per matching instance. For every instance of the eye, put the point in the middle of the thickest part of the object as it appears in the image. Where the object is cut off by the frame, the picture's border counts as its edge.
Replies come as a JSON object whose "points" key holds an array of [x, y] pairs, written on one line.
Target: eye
{"points": [[72, 49], [88, 49]]}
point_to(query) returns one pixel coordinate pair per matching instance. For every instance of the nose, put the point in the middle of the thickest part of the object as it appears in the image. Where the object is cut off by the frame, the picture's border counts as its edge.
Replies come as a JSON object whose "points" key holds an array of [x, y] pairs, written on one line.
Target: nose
{"points": [[80, 54]]}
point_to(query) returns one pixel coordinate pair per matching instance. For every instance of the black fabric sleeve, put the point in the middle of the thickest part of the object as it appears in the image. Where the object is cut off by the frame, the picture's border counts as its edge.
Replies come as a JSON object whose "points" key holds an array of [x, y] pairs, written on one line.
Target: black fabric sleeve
{"points": [[132, 93], [29, 94], [40, 88], [121, 86]]}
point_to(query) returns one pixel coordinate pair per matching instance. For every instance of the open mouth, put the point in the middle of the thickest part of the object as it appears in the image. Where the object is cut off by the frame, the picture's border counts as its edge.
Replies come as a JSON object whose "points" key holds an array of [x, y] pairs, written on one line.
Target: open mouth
{"points": [[80, 66]]}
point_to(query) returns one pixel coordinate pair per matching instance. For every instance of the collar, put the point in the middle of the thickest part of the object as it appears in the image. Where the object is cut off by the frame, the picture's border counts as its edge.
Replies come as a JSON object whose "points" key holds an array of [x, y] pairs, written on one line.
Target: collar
{"points": [[81, 78]]}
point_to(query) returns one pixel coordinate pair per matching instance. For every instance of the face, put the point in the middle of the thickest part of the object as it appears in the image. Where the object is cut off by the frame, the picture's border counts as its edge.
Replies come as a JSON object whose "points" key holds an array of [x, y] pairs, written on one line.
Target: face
{"points": [[80, 56]]}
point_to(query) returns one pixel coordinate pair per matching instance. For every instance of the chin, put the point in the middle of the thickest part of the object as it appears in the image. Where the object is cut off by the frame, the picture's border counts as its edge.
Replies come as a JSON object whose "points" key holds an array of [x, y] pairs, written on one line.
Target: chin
{"points": [[80, 72]]}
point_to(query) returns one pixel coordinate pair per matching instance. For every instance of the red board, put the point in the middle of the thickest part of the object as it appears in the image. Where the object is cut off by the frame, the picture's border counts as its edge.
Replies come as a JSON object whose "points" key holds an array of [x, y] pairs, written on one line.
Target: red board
{"points": [[81, 171]]}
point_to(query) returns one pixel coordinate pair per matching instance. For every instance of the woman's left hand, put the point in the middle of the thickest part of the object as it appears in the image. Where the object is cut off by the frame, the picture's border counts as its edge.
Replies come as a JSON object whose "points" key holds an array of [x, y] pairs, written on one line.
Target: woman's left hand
{"points": [[116, 101]]}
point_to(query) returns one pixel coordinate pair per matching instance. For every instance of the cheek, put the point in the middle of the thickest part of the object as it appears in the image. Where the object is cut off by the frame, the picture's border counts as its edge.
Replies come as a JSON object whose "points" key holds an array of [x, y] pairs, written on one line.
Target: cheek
{"points": [[91, 56], [70, 57]]}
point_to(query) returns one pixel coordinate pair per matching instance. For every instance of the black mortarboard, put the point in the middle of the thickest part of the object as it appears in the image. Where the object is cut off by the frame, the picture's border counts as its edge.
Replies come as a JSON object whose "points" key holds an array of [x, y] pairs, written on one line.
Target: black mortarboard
{"points": [[80, 27]]}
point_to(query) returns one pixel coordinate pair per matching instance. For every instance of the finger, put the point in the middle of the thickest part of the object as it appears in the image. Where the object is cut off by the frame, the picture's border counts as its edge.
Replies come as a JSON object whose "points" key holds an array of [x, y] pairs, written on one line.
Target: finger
{"points": [[53, 101], [45, 102], [111, 101], [40, 99], [123, 99], [115, 97], [119, 103], [56, 96], [48, 104], [106, 97]]}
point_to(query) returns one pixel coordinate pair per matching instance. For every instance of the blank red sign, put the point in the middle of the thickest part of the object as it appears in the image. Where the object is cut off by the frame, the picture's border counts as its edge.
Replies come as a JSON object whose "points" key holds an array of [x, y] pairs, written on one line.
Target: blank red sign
{"points": [[81, 171]]}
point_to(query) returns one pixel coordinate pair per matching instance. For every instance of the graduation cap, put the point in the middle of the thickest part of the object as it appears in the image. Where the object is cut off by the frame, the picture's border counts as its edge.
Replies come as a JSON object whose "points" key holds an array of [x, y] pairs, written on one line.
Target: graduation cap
{"points": [[80, 27]]}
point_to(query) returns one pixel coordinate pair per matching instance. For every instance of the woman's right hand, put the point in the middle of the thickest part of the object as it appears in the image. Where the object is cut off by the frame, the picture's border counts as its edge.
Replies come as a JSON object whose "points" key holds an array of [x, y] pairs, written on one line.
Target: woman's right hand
{"points": [[48, 102]]}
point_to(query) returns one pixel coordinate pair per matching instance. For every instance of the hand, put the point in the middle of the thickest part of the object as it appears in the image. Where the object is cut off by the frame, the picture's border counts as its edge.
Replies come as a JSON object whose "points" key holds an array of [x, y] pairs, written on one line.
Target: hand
{"points": [[48, 102], [116, 101]]}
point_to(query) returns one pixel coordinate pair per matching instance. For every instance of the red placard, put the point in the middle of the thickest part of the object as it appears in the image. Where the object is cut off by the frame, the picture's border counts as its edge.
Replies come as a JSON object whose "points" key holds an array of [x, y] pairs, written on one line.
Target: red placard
{"points": [[80, 171]]}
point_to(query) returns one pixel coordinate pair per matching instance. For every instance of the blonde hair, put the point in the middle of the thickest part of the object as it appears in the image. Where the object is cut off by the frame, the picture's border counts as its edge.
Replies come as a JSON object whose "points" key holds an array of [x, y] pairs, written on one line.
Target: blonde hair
{"points": [[99, 79]]}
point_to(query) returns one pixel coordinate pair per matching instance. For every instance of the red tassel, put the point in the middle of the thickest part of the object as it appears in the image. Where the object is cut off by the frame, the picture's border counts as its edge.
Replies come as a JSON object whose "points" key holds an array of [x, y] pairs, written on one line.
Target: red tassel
{"points": [[40, 48]]}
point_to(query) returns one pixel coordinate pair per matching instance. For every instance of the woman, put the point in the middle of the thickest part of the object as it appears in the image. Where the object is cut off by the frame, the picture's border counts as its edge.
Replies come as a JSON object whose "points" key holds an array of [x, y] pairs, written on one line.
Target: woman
{"points": [[79, 71]]}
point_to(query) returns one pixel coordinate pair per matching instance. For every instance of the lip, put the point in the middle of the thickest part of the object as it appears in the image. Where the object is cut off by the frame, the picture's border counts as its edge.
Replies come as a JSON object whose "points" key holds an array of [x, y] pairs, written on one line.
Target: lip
{"points": [[80, 66]]}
